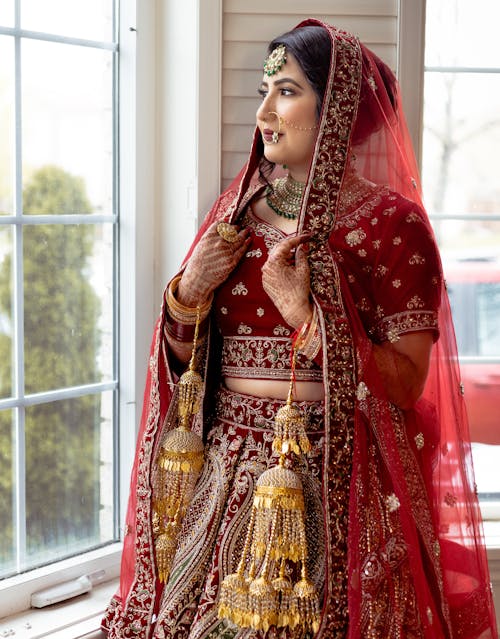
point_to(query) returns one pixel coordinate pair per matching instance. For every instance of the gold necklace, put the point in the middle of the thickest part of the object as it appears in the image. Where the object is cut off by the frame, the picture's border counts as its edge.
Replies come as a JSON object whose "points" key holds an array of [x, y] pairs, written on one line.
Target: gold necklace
{"points": [[285, 197]]}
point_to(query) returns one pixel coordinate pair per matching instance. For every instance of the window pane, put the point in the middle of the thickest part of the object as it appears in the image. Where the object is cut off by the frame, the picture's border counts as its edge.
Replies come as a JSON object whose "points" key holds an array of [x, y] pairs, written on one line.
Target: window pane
{"points": [[7, 13], [473, 241], [7, 549], [474, 290], [461, 142], [7, 125], [488, 307], [450, 29], [68, 477], [67, 122], [6, 313], [68, 321], [91, 20]]}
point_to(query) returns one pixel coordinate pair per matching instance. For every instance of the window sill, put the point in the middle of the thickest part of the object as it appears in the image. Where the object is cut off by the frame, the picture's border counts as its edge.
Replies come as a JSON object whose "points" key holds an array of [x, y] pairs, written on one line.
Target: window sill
{"points": [[15, 592], [73, 619]]}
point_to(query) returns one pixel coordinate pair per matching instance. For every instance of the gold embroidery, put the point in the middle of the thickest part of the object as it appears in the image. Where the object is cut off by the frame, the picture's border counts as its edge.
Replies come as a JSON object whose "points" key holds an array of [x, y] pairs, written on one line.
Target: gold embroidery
{"points": [[240, 289], [271, 234], [415, 259], [281, 330], [392, 503], [355, 237], [392, 336], [254, 253], [264, 358], [415, 302], [243, 329], [381, 271], [363, 304], [395, 325], [413, 217], [419, 441], [362, 391]]}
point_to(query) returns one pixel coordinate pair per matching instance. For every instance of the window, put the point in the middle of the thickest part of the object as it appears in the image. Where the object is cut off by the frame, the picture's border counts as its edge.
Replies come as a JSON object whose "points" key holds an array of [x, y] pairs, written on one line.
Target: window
{"points": [[58, 280], [461, 137]]}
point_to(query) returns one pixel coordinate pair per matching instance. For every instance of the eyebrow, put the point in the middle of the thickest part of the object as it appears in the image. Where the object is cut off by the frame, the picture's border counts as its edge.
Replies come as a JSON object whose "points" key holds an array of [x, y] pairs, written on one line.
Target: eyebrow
{"points": [[283, 81]]}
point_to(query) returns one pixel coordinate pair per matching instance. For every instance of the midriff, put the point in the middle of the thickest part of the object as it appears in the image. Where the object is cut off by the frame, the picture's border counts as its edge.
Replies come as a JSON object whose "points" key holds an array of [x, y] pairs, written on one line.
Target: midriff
{"points": [[276, 389]]}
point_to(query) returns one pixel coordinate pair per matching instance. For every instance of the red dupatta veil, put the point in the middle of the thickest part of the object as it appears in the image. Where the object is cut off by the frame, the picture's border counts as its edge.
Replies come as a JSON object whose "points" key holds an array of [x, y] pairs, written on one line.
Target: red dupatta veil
{"points": [[441, 534], [438, 530]]}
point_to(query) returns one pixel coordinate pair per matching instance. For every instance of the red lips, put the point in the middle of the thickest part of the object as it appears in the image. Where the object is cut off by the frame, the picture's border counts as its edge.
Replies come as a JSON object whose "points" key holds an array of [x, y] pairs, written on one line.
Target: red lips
{"points": [[267, 134]]}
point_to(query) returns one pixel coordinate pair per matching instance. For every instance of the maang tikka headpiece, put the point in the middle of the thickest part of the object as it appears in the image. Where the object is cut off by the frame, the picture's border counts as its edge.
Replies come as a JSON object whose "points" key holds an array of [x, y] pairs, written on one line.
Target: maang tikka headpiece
{"points": [[275, 60]]}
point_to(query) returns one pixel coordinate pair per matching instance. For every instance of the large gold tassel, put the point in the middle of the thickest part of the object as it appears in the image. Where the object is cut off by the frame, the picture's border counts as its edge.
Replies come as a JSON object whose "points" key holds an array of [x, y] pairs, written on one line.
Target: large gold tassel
{"points": [[178, 465], [262, 592]]}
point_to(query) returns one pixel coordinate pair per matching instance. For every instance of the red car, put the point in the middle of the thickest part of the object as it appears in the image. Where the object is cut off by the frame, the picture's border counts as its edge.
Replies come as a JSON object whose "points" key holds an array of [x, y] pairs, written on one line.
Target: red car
{"points": [[474, 290]]}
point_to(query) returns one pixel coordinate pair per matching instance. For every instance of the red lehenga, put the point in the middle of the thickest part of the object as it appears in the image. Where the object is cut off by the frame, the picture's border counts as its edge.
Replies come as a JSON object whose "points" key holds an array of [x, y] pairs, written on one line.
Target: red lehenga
{"points": [[394, 530]]}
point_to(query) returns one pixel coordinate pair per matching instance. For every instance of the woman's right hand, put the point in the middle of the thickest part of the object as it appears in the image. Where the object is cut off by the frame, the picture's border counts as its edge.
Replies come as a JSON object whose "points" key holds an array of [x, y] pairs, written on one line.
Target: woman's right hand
{"points": [[210, 264]]}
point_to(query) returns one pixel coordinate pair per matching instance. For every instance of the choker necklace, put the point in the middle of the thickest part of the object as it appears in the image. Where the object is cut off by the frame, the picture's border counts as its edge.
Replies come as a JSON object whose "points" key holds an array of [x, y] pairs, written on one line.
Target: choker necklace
{"points": [[285, 197]]}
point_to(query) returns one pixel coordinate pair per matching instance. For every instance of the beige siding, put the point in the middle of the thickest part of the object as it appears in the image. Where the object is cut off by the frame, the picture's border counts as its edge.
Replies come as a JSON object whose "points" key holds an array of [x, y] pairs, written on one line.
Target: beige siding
{"points": [[247, 28]]}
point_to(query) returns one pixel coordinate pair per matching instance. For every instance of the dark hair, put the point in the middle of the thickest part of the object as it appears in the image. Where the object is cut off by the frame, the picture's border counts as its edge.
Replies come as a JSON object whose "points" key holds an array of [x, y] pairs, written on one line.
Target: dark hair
{"points": [[311, 46]]}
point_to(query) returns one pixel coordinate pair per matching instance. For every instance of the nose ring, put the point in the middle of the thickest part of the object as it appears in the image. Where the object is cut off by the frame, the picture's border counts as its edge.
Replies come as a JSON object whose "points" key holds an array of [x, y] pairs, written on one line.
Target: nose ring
{"points": [[276, 134]]}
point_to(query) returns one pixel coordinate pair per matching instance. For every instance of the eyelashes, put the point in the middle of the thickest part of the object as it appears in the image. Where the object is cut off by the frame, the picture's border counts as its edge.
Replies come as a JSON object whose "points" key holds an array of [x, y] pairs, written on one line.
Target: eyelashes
{"points": [[283, 91]]}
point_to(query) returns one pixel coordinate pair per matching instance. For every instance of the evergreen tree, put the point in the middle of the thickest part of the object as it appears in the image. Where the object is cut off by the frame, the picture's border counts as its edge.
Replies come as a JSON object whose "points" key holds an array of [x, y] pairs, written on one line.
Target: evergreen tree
{"points": [[60, 349]]}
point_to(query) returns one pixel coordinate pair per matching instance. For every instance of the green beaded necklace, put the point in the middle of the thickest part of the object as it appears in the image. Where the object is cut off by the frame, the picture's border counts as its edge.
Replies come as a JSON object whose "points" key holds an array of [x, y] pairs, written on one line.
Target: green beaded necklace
{"points": [[284, 197]]}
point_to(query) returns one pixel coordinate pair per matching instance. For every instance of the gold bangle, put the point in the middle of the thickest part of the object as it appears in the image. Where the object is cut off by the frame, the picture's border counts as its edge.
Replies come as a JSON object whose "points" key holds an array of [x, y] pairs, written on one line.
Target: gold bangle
{"points": [[185, 314], [310, 344]]}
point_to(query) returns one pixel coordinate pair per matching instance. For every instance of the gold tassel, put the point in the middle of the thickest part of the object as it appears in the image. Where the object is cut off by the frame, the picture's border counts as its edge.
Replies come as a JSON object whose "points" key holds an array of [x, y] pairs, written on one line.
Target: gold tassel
{"points": [[261, 593], [178, 465]]}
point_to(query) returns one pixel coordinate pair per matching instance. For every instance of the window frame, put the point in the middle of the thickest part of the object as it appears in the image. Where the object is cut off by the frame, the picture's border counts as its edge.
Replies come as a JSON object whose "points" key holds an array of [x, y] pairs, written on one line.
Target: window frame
{"points": [[146, 77], [15, 591]]}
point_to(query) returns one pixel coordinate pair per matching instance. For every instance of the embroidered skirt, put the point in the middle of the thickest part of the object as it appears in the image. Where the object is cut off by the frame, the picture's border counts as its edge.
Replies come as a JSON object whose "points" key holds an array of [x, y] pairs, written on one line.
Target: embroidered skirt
{"points": [[238, 451]]}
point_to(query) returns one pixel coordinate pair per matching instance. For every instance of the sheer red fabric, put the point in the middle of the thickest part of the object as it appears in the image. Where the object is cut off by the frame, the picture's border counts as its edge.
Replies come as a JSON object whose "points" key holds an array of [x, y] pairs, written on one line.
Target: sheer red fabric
{"points": [[457, 602], [416, 564]]}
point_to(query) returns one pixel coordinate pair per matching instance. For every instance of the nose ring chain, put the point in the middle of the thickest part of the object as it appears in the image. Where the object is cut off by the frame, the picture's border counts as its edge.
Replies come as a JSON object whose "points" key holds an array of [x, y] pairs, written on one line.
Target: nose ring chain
{"points": [[281, 121]]}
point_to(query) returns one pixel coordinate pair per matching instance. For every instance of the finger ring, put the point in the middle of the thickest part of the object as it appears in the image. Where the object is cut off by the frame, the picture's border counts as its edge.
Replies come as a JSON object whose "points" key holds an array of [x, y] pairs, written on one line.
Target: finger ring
{"points": [[227, 232]]}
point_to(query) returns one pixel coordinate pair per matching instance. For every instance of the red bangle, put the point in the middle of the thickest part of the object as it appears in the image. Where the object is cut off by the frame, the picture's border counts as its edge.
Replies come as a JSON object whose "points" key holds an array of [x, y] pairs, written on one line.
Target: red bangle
{"points": [[183, 332]]}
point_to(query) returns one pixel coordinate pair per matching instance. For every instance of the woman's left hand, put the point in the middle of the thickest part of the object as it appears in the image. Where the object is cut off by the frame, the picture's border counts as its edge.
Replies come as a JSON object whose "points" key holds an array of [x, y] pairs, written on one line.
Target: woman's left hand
{"points": [[286, 279]]}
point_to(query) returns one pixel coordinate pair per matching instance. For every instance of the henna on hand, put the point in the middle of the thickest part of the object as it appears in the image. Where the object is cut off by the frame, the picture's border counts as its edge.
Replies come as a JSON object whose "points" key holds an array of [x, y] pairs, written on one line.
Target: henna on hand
{"points": [[286, 279], [210, 264]]}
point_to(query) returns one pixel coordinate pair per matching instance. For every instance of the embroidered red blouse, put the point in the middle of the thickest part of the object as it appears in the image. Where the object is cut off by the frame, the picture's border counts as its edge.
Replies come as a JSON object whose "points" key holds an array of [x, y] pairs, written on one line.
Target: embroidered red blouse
{"points": [[390, 262]]}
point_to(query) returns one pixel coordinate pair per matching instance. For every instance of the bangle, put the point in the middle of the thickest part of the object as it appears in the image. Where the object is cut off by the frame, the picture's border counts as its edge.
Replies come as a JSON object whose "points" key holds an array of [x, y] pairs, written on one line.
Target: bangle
{"points": [[184, 314], [183, 340], [309, 342], [182, 332]]}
